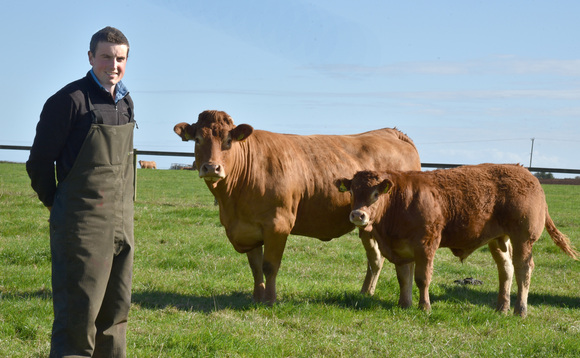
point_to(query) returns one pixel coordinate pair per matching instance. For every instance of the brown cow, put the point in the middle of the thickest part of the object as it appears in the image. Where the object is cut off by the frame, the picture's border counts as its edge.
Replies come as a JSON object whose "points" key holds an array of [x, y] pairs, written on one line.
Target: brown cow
{"points": [[147, 164], [411, 214], [270, 185]]}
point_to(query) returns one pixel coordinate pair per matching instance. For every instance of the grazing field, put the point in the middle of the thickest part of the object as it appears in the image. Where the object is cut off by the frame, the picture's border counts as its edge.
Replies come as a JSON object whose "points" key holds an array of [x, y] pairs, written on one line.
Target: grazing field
{"points": [[192, 291]]}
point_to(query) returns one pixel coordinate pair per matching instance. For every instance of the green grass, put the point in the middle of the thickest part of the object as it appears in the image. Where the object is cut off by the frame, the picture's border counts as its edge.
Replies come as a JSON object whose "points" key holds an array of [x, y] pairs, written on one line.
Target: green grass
{"points": [[192, 291]]}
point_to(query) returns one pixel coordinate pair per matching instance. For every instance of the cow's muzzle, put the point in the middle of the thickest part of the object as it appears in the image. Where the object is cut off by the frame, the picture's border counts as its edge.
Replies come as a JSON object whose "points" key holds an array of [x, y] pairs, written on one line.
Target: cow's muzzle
{"points": [[212, 172], [359, 218]]}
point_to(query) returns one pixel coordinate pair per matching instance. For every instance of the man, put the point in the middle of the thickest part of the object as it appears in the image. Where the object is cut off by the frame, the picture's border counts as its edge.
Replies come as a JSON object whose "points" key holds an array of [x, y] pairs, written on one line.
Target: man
{"points": [[86, 128]]}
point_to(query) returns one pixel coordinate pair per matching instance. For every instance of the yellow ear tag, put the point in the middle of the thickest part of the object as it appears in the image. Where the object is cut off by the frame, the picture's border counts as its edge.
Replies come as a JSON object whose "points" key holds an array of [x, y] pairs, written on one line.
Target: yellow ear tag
{"points": [[342, 187], [386, 189], [240, 138]]}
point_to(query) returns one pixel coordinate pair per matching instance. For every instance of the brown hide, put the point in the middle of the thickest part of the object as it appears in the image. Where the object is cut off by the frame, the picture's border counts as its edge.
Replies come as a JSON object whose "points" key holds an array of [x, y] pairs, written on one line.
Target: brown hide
{"points": [[147, 164], [412, 214], [269, 185]]}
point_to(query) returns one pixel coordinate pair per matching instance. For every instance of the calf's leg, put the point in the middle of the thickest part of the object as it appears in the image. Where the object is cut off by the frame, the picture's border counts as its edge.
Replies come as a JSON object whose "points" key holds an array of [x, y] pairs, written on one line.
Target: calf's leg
{"points": [[524, 265], [423, 273], [375, 262], [501, 251], [255, 259]]}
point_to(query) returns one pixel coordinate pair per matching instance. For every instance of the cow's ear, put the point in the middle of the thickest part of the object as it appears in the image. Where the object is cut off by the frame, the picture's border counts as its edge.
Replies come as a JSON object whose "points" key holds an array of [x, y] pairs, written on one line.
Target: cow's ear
{"points": [[343, 185], [385, 186], [185, 131], [241, 132]]}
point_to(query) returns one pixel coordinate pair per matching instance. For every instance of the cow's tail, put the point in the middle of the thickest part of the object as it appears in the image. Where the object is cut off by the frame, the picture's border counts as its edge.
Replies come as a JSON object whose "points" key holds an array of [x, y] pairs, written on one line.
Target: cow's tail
{"points": [[561, 240]]}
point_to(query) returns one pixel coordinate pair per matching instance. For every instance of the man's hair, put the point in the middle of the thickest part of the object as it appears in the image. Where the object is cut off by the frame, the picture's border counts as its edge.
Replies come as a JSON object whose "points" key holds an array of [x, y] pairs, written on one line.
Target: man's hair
{"points": [[108, 34]]}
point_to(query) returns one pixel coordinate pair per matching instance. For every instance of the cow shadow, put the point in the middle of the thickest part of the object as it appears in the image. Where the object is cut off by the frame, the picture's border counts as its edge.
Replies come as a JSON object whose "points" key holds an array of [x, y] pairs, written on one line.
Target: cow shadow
{"points": [[468, 293], [344, 300], [240, 301]]}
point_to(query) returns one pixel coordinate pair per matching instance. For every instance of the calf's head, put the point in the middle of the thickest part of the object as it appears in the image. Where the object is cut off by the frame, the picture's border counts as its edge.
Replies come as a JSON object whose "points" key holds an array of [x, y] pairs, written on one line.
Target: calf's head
{"points": [[366, 188], [215, 135]]}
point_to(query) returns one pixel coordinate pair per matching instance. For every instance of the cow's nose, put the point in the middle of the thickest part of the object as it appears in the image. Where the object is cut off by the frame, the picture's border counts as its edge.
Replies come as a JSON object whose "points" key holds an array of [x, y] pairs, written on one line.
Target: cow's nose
{"points": [[211, 170], [359, 218]]}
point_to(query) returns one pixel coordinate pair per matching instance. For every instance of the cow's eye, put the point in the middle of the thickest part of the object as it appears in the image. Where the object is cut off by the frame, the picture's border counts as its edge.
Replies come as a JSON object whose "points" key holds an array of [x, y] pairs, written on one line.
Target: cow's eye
{"points": [[374, 197], [228, 143]]}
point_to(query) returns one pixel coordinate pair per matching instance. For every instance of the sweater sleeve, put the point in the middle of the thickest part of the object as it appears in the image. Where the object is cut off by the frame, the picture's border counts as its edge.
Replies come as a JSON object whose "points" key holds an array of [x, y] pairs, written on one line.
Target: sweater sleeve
{"points": [[51, 136]]}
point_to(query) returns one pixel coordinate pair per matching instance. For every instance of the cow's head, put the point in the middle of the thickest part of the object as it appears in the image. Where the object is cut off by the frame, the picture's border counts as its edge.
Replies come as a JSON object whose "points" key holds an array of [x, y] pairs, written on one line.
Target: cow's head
{"points": [[214, 134], [366, 187]]}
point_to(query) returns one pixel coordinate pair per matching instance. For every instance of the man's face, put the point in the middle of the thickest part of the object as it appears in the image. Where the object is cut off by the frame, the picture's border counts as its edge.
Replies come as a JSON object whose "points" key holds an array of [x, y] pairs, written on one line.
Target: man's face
{"points": [[108, 63]]}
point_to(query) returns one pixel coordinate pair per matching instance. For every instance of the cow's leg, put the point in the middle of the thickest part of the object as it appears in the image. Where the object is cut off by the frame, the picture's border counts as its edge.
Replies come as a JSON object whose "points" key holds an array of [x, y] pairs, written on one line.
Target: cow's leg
{"points": [[501, 250], [523, 265], [255, 259], [423, 273], [273, 251], [405, 278], [374, 262]]}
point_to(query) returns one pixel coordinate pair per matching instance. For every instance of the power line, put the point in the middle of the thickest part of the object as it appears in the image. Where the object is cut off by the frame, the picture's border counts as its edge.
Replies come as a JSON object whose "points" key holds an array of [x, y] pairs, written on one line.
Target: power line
{"points": [[500, 140], [475, 141]]}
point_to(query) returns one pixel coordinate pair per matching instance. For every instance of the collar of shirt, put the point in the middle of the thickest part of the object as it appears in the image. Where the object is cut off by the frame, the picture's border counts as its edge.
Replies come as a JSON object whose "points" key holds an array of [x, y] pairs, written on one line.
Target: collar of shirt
{"points": [[120, 89]]}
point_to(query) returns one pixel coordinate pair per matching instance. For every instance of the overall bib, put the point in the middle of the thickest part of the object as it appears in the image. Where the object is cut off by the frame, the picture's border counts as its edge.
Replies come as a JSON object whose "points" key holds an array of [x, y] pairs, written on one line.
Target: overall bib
{"points": [[92, 245]]}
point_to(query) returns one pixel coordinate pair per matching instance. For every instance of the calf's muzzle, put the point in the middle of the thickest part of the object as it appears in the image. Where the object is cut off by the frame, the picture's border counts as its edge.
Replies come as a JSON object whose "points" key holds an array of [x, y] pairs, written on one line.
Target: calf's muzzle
{"points": [[359, 218]]}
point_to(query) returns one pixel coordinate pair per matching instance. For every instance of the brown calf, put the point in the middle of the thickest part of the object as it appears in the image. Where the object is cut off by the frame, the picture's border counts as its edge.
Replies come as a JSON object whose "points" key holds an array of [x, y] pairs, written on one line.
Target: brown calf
{"points": [[412, 214]]}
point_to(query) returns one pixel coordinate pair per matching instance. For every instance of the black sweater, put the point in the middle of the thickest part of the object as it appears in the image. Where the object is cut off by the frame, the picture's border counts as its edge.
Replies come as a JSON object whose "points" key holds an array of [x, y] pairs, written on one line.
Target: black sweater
{"points": [[64, 123]]}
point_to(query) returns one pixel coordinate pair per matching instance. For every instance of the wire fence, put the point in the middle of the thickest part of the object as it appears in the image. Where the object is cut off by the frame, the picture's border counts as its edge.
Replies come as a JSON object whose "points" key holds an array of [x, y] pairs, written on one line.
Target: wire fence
{"points": [[423, 165]]}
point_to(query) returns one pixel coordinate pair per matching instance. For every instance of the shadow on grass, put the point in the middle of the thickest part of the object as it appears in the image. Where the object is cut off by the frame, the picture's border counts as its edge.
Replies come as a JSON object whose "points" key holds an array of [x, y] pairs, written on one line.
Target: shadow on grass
{"points": [[355, 301], [243, 301], [470, 294], [346, 300], [352, 301], [24, 295], [160, 300]]}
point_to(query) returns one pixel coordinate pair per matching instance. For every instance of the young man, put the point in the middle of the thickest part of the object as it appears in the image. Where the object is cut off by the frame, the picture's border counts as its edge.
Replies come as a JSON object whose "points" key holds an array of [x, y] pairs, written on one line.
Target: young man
{"points": [[86, 128]]}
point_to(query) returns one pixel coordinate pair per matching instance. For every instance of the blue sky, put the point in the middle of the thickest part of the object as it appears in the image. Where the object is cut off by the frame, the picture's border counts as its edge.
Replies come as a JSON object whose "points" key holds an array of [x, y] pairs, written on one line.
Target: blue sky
{"points": [[468, 81]]}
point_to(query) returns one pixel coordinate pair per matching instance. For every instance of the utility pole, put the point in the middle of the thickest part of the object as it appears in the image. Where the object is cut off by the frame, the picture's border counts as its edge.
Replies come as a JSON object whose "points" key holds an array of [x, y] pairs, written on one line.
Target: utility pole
{"points": [[532, 152]]}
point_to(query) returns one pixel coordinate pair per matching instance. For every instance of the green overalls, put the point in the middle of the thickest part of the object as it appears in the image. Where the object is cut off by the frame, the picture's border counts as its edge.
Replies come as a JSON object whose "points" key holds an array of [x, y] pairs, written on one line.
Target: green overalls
{"points": [[92, 245]]}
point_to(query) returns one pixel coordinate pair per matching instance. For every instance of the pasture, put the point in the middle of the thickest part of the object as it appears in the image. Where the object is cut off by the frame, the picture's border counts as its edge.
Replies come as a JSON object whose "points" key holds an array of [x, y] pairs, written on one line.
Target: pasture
{"points": [[192, 291]]}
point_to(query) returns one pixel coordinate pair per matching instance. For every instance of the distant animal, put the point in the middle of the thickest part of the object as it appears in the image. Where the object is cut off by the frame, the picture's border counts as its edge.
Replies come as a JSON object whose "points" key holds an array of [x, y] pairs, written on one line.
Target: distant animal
{"points": [[269, 185], [147, 164], [411, 214]]}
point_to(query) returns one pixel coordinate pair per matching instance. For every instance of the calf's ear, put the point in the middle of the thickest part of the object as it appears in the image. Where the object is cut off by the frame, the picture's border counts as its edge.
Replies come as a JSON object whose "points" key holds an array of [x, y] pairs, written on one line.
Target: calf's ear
{"points": [[185, 131], [241, 132], [385, 186], [343, 185]]}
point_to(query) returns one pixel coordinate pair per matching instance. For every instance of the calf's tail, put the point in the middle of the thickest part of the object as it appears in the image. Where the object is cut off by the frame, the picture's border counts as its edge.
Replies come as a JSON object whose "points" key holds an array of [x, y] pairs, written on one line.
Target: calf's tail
{"points": [[561, 240]]}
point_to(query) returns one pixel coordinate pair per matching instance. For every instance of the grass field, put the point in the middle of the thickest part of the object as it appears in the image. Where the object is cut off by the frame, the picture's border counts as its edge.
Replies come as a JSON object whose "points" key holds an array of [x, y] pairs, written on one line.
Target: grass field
{"points": [[192, 291]]}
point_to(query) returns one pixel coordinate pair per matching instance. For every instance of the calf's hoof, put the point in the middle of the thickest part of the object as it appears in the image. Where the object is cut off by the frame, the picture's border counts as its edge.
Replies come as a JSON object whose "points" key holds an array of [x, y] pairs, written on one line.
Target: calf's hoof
{"points": [[259, 293], [425, 306]]}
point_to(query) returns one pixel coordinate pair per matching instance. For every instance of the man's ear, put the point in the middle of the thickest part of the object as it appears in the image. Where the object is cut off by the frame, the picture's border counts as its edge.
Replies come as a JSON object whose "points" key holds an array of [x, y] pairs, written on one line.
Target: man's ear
{"points": [[385, 186], [185, 131], [241, 132], [343, 185]]}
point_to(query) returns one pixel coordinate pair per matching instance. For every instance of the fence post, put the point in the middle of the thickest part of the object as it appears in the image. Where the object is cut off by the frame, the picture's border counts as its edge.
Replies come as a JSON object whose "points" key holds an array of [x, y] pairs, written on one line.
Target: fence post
{"points": [[134, 174]]}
